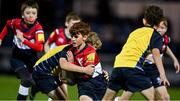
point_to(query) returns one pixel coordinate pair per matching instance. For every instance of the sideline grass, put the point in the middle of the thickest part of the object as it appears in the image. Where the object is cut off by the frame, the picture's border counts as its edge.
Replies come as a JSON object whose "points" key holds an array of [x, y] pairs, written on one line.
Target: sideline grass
{"points": [[9, 86]]}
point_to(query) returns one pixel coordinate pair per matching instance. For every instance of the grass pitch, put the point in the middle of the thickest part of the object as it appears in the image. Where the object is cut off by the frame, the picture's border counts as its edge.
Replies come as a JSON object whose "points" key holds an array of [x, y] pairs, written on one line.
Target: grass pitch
{"points": [[9, 87]]}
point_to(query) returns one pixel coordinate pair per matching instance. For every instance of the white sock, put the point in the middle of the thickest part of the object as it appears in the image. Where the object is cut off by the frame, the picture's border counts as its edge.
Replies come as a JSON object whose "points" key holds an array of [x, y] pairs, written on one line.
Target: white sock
{"points": [[23, 90], [117, 98], [49, 99]]}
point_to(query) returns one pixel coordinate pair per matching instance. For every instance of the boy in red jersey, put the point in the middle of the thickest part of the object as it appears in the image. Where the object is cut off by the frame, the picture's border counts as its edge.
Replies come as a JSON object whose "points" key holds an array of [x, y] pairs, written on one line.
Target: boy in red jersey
{"points": [[89, 87], [28, 40], [45, 71], [61, 35]]}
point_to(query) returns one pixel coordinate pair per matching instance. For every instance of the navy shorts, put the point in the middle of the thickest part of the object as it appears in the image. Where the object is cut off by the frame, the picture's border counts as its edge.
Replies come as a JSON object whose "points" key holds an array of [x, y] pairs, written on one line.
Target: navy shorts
{"points": [[45, 83], [152, 72], [95, 88], [17, 64], [129, 79], [22, 72]]}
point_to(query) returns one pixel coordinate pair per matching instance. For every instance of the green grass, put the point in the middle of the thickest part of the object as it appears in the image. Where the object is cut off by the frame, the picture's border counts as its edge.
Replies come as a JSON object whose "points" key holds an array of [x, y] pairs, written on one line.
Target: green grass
{"points": [[9, 86]]}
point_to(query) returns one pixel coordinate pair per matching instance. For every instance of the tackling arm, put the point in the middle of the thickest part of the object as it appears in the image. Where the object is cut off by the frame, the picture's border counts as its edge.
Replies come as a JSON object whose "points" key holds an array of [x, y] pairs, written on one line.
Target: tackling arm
{"points": [[159, 64], [173, 57], [64, 64]]}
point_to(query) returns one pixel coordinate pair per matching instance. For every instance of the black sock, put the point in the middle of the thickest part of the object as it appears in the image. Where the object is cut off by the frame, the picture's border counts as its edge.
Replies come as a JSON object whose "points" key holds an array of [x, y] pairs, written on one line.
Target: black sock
{"points": [[33, 92], [21, 97]]}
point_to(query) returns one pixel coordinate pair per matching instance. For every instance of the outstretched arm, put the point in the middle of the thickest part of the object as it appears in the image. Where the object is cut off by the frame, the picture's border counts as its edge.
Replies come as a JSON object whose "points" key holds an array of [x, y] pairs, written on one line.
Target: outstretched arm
{"points": [[3, 34], [50, 40], [173, 57], [39, 39], [4, 31], [159, 64], [64, 64], [46, 47]]}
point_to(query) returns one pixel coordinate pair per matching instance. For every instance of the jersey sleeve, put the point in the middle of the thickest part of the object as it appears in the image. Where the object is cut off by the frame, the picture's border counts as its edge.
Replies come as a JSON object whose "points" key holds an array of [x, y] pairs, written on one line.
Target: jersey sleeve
{"points": [[39, 40], [64, 51], [156, 41], [52, 37], [9, 24]]}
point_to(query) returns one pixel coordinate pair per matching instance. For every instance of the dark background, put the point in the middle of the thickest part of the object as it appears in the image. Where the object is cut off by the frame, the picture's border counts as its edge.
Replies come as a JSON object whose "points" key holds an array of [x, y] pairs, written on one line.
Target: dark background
{"points": [[113, 20]]}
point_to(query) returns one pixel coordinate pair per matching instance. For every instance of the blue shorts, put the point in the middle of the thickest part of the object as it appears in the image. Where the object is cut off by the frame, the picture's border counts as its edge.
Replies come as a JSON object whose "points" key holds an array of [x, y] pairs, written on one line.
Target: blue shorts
{"points": [[95, 88], [45, 83], [152, 72], [22, 72], [129, 79]]}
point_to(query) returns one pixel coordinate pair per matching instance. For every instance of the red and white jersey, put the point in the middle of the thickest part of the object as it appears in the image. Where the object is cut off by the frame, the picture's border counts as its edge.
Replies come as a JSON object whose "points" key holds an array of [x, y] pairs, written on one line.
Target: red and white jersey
{"points": [[88, 56], [58, 37], [33, 34]]}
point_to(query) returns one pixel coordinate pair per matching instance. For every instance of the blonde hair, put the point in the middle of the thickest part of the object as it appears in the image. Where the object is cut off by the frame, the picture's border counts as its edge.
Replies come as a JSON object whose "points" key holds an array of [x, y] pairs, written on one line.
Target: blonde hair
{"points": [[94, 40], [72, 16]]}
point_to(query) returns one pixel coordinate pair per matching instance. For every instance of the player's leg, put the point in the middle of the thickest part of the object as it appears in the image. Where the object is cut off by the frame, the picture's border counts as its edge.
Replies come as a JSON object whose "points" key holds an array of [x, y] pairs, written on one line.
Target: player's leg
{"points": [[63, 87], [85, 98], [33, 91], [25, 76], [57, 94], [126, 95], [162, 93], [61, 83], [48, 85], [115, 83], [109, 95], [148, 93], [138, 81], [117, 98]]}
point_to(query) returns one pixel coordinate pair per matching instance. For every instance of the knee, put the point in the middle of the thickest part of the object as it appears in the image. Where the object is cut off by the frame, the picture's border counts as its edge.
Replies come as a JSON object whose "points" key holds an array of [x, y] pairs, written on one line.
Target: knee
{"points": [[165, 97], [27, 82], [85, 98]]}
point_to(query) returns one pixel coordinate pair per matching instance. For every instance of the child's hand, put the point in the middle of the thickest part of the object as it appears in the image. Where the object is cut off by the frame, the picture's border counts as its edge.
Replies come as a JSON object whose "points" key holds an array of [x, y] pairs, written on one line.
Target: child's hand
{"points": [[19, 35], [106, 75], [70, 56], [89, 69], [46, 47], [176, 65], [164, 80]]}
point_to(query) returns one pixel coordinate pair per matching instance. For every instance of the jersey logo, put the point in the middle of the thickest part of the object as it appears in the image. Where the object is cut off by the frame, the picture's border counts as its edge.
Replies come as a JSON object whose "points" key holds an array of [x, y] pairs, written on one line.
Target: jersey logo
{"points": [[61, 40], [91, 57], [80, 61]]}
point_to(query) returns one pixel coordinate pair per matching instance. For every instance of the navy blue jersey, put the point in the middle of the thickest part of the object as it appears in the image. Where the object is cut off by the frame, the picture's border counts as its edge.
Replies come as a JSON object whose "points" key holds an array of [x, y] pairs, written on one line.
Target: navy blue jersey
{"points": [[47, 63]]}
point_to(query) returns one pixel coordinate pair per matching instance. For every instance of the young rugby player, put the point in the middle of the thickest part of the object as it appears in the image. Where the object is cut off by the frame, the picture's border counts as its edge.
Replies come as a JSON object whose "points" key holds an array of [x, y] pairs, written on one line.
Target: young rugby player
{"points": [[151, 70], [89, 87], [61, 35], [128, 73], [28, 40]]}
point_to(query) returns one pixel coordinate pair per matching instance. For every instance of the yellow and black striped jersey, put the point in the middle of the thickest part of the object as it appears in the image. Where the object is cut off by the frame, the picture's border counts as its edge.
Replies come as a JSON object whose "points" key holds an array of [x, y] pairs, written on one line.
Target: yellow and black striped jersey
{"points": [[135, 50], [48, 62]]}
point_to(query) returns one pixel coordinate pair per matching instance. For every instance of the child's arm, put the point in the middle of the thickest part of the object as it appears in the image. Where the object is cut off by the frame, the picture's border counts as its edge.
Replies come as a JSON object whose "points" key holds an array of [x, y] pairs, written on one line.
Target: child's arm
{"points": [[173, 57], [39, 39], [46, 47], [159, 64], [64, 64], [50, 40], [4, 31]]}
